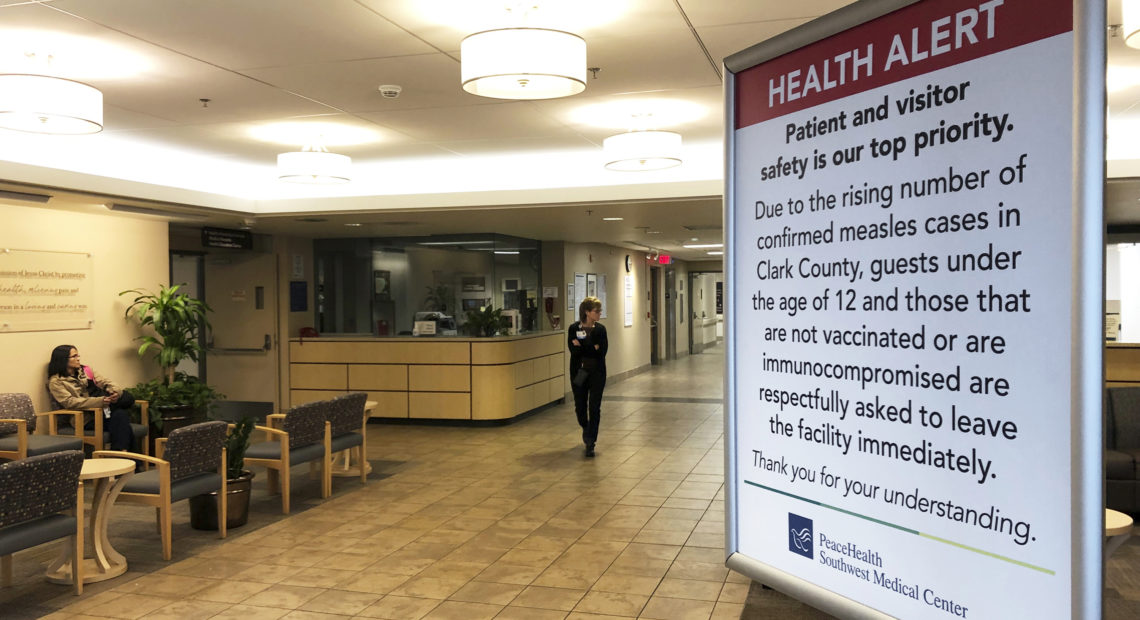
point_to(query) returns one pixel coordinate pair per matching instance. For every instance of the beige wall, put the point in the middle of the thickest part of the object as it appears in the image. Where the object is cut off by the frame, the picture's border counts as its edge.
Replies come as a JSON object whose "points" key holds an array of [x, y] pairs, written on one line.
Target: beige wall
{"points": [[629, 346], [287, 249], [127, 252]]}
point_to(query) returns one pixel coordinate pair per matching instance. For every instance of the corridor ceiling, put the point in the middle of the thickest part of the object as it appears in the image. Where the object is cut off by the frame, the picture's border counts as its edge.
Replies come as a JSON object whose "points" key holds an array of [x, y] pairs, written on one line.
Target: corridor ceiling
{"points": [[201, 96]]}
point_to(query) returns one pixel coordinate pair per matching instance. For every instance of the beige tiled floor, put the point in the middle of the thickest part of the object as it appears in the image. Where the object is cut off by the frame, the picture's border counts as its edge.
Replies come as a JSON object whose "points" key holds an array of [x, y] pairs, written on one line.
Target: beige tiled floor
{"points": [[511, 523], [471, 523]]}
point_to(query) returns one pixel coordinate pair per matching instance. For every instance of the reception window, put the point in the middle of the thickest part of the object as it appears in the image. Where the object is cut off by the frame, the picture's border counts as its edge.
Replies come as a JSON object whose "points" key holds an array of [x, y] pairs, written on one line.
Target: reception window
{"points": [[377, 286]]}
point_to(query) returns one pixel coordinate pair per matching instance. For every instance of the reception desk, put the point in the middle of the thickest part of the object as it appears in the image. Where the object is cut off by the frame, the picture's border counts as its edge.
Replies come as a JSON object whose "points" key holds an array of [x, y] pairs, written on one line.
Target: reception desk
{"points": [[1122, 364], [433, 377]]}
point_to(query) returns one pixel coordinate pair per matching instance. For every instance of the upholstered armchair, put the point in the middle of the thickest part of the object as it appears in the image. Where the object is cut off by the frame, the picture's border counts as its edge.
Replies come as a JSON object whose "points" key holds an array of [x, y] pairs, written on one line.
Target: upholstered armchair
{"points": [[18, 425], [303, 437], [347, 424], [1122, 449], [97, 438], [191, 461], [41, 499]]}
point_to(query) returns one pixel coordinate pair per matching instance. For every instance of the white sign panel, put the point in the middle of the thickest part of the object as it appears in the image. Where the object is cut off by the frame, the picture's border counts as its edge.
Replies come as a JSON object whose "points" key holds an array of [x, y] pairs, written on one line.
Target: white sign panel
{"points": [[628, 300], [902, 311]]}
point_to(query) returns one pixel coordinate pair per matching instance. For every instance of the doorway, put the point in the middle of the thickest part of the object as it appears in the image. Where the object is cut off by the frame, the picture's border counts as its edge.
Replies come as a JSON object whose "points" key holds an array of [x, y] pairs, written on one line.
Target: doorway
{"points": [[670, 313], [242, 290], [654, 304], [186, 271]]}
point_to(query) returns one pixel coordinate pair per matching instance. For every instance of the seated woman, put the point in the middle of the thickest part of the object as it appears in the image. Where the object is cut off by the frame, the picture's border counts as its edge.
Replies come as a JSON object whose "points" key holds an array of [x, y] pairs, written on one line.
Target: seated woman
{"points": [[75, 386]]}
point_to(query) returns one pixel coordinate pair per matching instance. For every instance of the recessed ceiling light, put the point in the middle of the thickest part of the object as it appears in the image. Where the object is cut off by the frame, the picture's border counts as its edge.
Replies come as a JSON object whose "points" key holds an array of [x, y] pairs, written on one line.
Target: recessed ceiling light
{"points": [[715, 252], [353, 224], [702, 246], [506, 252], [693, 239], [612, 219], [653, 232]]}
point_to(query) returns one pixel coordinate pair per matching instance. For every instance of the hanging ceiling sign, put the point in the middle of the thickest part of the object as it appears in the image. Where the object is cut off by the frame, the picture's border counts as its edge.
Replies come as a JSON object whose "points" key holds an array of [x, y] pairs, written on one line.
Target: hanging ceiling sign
{"points": [[913, 206], [227, 238]]}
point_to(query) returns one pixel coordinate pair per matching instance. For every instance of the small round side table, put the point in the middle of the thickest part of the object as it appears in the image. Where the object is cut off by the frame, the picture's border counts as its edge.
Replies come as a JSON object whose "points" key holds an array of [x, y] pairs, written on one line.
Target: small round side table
{"points": [[109, 475]]}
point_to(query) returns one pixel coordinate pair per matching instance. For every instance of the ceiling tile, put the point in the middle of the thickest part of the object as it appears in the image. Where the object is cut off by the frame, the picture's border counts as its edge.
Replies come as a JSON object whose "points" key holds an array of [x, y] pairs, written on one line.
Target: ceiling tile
{"points": [[428, 80], [517, 119], [724, 41], [705, 13], [255, 33]]}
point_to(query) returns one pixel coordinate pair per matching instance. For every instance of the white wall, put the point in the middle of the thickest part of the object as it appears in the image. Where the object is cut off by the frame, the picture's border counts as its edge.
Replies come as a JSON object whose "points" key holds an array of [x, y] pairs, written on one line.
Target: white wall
{"points": [[629, 346], [127, 253]]}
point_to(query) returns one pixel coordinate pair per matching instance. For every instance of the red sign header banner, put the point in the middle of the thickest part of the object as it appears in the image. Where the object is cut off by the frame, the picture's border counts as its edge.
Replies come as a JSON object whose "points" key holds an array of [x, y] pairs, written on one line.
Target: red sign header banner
{"points": [[917, 39]]}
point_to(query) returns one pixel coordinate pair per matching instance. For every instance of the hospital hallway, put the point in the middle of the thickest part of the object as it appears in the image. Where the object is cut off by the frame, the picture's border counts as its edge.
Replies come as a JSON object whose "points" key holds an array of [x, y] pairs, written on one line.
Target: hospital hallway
{"points": [[507, 522]]}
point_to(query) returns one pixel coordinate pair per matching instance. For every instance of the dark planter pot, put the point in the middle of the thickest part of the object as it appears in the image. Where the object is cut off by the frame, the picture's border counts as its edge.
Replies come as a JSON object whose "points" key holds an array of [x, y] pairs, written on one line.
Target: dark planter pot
{"points": [[177, 416], [204, 508]]}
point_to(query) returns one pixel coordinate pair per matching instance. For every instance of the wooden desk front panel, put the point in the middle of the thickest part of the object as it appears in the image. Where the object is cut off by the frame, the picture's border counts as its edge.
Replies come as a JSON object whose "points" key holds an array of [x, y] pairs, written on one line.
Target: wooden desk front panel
{"points": [[480, 380]]}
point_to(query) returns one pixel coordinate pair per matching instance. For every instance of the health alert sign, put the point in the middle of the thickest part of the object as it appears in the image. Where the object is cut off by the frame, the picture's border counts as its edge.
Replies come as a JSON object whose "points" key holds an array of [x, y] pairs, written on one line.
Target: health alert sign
{"points": [[913, 225]]}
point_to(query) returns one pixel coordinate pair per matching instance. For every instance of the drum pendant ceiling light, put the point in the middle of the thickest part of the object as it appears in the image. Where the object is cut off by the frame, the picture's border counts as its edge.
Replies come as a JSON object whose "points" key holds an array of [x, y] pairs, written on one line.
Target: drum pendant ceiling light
{"points": [[523, 63], [314, 165], [642, 150], [49, 105], [1130, 30]]}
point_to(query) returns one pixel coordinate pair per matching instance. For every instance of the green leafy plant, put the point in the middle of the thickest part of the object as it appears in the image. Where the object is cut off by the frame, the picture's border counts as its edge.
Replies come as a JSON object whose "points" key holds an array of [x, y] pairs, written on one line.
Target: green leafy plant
{"points": [[183, 391], [175, 318], [485, 322], [236, 443]]}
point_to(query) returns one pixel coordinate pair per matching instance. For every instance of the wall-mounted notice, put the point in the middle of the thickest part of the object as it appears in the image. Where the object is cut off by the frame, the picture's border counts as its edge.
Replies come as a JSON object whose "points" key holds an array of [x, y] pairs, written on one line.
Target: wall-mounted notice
{"points": [[579, 293], [628, 300], [41, 290], [602, 295], [902, 307]]}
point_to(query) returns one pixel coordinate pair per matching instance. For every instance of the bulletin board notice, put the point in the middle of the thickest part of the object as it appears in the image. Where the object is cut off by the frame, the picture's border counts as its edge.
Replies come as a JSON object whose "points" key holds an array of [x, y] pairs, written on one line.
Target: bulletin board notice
{"points": [[43, 290], [912, 203]]}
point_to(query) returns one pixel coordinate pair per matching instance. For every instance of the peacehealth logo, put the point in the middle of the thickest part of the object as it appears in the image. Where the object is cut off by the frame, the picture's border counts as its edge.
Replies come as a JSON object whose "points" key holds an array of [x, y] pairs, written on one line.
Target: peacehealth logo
{"points": [[801, 534], [863, 563]]}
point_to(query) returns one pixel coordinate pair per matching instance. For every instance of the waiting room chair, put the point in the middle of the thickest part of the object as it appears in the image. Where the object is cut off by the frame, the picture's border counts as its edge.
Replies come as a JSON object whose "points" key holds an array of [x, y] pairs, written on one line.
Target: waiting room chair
{"points": [[18, 425], [303, 437], [97, 438], [1122, 449], [191, 461], [41, 499], [347, 424]]}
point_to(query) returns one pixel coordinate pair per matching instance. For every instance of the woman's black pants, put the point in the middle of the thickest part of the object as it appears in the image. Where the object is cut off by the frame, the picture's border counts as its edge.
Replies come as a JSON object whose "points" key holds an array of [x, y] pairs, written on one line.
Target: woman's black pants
{"points": [[119, 424], [588, 405]]}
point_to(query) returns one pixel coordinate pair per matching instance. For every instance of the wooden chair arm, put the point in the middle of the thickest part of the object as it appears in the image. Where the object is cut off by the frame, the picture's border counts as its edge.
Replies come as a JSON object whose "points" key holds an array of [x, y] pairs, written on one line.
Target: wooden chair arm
{"points": [[160, 447], [282, 435], [117, 454], [21, 436], [275, 420]]}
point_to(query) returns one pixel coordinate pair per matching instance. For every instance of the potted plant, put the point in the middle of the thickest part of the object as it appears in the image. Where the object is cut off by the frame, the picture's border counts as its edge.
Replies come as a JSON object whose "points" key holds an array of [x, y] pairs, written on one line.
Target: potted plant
{"points": [[177, 403], [175, 319], [204, 508], [485, 322]]}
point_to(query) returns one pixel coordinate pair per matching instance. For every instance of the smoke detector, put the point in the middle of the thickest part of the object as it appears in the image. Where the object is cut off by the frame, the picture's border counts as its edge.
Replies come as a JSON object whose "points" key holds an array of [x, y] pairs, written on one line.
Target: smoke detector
{"points": [[390, 91]]}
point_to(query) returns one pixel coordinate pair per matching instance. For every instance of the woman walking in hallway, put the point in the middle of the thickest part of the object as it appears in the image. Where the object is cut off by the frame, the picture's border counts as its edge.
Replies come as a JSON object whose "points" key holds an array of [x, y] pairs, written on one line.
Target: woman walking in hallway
{"points": [[588, 345]]}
